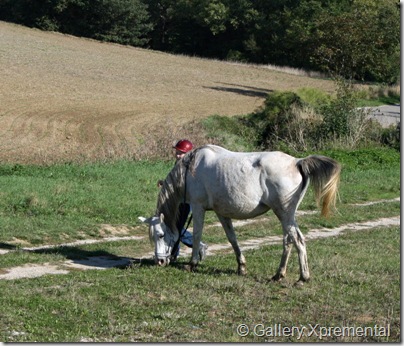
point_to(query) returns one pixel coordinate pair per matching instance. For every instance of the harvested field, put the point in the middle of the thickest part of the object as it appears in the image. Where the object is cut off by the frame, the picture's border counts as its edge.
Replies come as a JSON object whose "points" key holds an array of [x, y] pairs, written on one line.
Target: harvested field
{"points": [[65, 98]]}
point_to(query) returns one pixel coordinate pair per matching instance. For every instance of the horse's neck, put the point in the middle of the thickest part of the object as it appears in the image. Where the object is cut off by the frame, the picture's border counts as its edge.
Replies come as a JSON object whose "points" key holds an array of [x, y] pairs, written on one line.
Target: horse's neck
{"points": [[171, 195]]}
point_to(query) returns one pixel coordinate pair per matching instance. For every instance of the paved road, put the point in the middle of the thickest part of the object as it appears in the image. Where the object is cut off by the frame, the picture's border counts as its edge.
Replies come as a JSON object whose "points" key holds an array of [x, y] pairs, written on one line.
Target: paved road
{"points": [[386, 115]]}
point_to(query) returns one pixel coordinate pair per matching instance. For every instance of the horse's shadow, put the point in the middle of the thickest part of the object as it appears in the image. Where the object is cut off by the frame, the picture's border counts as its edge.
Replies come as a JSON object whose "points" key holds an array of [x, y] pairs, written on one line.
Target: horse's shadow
{"points": [[7, 246], [101, 259], [202, 269], [81, 258]]}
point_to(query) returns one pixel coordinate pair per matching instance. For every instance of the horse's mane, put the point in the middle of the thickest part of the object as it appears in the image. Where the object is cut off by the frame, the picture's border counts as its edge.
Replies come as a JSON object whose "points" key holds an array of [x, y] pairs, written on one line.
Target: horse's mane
{"points": [[172, 192]]}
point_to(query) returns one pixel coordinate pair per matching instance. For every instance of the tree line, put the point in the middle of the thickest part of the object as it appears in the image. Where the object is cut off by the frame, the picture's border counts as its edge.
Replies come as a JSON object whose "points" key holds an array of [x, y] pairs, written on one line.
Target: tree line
{"points": [[355, 39]]}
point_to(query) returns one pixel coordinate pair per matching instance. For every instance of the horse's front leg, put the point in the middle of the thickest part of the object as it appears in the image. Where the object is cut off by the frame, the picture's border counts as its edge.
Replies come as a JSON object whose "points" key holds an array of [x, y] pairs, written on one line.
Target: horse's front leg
{"points": [[198, 220], [231, 236]]}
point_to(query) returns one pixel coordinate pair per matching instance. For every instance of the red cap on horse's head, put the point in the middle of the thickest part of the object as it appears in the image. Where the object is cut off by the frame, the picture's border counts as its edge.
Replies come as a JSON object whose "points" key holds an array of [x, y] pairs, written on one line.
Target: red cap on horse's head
{"points": [[184, 145]]}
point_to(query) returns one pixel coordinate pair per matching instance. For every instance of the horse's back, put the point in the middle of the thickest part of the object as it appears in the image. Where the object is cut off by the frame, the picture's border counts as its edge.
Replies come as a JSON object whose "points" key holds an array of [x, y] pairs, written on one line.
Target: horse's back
{"points": [[273, 163], [242, 185]]}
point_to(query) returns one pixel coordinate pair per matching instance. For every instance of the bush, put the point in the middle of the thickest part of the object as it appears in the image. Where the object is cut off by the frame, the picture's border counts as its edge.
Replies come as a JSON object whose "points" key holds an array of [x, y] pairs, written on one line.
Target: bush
{"points": [[285, 122], [391, 137], [314, 97], [270, 122], [231, 132], [342, 120]]}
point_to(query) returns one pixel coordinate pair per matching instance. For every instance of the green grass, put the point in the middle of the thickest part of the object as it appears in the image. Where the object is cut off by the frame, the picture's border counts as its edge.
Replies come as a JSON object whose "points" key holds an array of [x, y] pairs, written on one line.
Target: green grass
{"points": [[375, 96], [314, 97], [355, 277], [66, 202], [63, 203], [356, 282]]}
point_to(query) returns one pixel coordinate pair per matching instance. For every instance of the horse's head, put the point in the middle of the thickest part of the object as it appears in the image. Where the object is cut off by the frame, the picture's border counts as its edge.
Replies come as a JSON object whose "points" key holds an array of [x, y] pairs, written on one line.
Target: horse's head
{"points": [[162, 237]]}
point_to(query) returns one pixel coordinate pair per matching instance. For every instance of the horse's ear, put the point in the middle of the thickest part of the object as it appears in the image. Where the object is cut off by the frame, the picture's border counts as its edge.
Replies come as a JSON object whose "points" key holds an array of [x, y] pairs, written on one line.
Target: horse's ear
{"points": [[144, 220], [161, 217]]}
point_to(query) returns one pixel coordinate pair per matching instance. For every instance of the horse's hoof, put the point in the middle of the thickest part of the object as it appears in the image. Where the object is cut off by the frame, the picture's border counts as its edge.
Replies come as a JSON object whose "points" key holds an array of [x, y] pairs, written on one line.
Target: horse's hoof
{"points": [[188, 268], [277, 277], [242, 271], [301, 282]]}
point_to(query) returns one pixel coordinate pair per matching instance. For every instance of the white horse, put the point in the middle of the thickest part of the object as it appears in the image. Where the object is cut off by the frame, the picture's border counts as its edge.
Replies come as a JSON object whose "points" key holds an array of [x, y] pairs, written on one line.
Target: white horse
{"points": [[239, 185]]}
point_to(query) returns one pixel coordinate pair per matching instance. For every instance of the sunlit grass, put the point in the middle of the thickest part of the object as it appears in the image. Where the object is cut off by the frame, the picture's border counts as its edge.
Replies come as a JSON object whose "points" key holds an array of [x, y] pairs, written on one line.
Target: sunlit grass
{"points": [[355, 282], [63, 203]]}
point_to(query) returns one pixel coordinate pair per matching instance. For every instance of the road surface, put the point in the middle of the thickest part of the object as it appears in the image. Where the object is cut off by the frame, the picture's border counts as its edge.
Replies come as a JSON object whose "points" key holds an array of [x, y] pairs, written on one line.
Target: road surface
{"points": [[387, 115]]}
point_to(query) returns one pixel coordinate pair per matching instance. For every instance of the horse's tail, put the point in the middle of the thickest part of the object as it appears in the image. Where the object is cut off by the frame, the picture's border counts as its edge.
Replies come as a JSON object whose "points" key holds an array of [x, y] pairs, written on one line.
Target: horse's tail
{"points": [[324, 174]]}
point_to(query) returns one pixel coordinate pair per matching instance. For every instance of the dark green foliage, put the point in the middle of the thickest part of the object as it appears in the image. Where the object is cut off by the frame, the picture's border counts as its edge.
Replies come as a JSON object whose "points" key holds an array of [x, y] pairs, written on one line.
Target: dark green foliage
{"points": [[120, 21], [391, 137], [338, 112], [272, 121], [361, 42], [205, 28], [354, 39]]}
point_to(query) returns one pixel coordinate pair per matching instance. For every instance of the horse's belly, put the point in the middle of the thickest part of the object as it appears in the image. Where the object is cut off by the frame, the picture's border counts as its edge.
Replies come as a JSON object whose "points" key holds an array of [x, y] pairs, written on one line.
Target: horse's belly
{"points": [[239, 206], [244, 214]]}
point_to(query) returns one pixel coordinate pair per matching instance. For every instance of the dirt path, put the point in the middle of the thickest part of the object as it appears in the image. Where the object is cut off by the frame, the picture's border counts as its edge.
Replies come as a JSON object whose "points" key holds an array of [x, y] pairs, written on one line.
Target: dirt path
{"points": [[103, 262]]}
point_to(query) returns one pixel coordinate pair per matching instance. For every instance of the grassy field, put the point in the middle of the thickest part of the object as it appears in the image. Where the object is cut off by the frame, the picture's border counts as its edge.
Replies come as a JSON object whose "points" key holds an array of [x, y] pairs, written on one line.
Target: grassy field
{"points": [[62, 203], [356, 284], [65, 98], [355, 277], [74, 115]]}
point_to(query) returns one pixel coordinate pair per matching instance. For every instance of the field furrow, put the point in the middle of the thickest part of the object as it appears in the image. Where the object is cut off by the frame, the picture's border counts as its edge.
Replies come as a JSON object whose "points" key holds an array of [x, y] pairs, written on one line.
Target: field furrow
{"points": [[108, 99]]}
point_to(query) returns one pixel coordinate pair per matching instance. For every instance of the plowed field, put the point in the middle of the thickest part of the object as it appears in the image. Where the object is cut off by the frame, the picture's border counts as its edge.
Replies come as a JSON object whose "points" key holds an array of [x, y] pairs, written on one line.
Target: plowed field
{"points": [[64, 98]]}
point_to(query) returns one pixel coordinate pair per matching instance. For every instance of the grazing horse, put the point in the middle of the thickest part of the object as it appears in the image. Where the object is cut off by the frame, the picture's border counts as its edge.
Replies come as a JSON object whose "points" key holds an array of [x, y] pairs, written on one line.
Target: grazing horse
{"points": [[238, 185]]}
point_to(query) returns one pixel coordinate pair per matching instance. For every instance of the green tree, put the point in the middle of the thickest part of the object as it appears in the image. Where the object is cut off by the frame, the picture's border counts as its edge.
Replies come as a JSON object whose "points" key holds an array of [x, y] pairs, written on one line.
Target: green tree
{"points": [[300, 24], [356, 39], [121, 21], [362, 43], [359, 39], [212, 28]]}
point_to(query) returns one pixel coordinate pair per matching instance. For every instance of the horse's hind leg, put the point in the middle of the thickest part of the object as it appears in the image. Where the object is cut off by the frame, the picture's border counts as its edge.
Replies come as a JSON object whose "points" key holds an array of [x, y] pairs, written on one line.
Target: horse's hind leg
{"points": [[287, 248], [231, 236], [293, 235], [300, 244]]}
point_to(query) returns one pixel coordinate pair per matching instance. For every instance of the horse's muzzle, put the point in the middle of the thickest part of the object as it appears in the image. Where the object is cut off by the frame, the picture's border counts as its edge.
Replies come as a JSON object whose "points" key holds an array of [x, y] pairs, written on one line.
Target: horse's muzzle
{"points": [[162, 262]]}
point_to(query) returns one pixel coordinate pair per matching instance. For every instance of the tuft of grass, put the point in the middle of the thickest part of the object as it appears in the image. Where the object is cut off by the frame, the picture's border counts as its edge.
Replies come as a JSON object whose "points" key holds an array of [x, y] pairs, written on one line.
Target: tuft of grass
{"points": [[314, 97], [377, 95]]}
